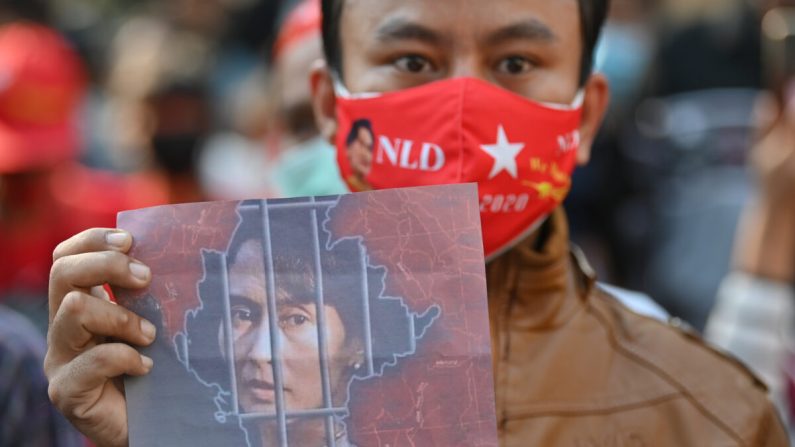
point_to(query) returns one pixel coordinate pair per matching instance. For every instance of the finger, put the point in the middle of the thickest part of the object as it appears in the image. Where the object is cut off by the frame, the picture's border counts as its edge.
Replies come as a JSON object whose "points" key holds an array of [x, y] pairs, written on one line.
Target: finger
{"points": [[83, 391], [100, 292], [94, 239], [105, 422], [75, 382], [82, 318], [87, 270], [91, 369]]}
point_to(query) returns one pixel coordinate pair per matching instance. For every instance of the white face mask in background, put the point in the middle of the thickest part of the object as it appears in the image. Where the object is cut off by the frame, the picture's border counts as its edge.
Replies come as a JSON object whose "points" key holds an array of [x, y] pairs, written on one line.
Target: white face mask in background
{"points": [[308, 169], [232, 167]]}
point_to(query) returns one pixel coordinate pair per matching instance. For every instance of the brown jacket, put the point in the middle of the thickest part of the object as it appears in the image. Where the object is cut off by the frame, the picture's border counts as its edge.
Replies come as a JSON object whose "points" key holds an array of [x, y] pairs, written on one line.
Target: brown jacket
{"points": [[574, 367]]}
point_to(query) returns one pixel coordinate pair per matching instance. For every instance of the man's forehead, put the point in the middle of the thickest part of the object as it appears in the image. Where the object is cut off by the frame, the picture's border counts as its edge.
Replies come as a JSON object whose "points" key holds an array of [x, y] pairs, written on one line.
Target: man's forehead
{"points": [[455, 16]]}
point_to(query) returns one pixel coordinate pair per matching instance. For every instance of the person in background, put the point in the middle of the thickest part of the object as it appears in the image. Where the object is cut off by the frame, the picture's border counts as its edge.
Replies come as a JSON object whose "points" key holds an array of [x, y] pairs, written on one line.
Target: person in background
{"points": [[44, 193], [306, 163], [161, 104], [707, 44], [236, 162], [27, 419], [625, 55], [754, 314], [679, 180], [181, 123]]}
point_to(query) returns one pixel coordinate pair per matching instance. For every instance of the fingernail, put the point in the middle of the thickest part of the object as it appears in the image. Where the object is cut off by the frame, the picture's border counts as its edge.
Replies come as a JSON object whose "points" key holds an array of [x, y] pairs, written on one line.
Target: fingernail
{"points": [[148, 363], [148, 329], [139, 270], [117, 239]]}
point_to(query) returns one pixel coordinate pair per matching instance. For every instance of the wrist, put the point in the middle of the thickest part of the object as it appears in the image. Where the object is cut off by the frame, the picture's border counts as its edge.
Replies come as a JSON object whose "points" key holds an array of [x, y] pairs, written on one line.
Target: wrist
{"points": [[766, 241], [778, 200]]}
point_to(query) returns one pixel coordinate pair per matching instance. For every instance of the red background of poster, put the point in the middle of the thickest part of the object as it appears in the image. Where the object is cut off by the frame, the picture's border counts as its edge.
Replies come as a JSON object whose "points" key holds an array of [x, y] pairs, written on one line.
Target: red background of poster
{"points": [[169, 239], [429, 240]]}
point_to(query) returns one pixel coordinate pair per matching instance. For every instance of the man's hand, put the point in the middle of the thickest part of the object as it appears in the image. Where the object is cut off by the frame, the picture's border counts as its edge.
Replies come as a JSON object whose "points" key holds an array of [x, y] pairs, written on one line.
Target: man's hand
{"points": [[89, 337], [766, 239], [773, 157]]}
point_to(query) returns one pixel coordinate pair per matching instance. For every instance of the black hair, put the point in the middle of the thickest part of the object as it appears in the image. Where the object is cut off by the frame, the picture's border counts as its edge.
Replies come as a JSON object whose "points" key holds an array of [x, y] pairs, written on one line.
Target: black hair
{"points": [[356, 127], [593, 14]]}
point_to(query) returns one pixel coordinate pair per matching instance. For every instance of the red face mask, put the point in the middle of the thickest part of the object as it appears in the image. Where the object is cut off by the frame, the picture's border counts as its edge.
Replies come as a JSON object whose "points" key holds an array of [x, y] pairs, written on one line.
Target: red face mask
{"points": [[519, 152]]}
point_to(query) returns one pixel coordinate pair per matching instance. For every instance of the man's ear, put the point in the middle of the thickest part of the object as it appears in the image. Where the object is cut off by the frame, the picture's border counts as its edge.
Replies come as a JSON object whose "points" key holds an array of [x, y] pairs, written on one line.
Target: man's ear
{"points": [[594, 107], [324, 100]]}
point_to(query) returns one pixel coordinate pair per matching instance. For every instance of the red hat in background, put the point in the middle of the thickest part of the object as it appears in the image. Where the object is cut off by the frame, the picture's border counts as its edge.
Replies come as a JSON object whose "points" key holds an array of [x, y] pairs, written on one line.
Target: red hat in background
{"points": [[41, 84], [303, 22]]}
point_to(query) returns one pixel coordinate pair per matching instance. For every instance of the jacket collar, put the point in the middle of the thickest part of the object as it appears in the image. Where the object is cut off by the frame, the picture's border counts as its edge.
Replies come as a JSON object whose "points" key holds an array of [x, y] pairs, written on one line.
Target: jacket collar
{"points": [[542, 284]]}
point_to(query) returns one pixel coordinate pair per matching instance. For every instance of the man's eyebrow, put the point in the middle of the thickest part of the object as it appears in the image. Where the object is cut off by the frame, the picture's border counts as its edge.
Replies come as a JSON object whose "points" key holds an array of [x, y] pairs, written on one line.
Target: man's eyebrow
{"points": [[401, 29], [531, 29]]}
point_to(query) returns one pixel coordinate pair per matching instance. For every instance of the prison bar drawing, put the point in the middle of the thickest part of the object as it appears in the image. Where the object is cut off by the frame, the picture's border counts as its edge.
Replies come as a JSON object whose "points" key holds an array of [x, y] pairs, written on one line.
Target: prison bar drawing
{"points": [[317, 208]]}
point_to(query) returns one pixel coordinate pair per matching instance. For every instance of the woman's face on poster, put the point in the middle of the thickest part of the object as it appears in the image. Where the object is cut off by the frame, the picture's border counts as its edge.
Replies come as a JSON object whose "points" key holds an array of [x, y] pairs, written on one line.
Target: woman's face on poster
{"points": [[298, 344], [360, 153]]}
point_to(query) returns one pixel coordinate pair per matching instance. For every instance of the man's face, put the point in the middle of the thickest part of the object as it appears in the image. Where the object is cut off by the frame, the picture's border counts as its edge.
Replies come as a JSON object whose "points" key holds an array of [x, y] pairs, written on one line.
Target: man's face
{"points": [[530, 47], [360, 153], [298, 341], [294, 96]]}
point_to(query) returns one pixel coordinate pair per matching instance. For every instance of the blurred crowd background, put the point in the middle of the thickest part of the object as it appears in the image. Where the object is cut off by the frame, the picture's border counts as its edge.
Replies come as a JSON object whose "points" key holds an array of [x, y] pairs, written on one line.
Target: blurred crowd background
{"points": [[108, 105]]}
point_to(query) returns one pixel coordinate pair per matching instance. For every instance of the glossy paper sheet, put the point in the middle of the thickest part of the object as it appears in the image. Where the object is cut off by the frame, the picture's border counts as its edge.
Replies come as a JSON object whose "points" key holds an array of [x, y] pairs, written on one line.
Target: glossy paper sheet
{"points": [[355, 320]]}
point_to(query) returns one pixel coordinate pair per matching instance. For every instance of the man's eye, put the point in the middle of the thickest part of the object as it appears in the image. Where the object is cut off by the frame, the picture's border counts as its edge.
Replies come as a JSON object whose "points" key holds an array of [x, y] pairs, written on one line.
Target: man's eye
{"points": [[413, 64], [515, 65]]}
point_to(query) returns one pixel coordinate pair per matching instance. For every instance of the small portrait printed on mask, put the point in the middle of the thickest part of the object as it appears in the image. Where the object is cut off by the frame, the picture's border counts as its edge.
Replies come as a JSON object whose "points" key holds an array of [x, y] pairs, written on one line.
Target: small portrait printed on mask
{"points": [[359, 145], [297, 322]]}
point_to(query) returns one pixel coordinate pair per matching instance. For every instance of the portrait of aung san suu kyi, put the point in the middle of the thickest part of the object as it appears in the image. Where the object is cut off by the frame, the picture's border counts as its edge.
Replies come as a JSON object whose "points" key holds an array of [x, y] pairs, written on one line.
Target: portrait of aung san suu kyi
{"points": [[289, 318]]}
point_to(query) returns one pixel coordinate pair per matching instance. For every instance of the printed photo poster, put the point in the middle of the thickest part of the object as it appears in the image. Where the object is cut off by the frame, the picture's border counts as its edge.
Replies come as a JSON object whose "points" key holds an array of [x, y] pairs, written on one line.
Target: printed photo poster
{"points": [[352, 320]]}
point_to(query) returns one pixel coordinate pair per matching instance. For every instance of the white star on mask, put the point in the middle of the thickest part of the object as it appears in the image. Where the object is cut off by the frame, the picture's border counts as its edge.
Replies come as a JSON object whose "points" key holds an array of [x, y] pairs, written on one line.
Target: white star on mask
{"points": [[504, 154]]}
